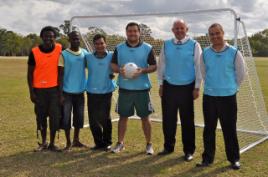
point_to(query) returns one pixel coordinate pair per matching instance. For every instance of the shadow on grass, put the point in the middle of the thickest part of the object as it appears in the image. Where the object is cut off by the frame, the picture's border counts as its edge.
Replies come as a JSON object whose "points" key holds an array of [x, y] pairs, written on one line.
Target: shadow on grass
{"points": [[213, 170], [84, 163]]}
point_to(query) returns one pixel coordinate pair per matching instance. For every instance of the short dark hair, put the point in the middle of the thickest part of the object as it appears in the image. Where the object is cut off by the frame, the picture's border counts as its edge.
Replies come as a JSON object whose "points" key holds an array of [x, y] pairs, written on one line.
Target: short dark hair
{"points": [[48, 28], [72, 33], [99, 36], [215, 25], [133, 24]]}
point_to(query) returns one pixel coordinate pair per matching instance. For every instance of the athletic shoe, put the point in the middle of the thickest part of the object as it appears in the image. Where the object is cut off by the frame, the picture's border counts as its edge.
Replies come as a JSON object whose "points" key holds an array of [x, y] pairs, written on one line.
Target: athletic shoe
{"points": [[149, 149], [118, 147]]}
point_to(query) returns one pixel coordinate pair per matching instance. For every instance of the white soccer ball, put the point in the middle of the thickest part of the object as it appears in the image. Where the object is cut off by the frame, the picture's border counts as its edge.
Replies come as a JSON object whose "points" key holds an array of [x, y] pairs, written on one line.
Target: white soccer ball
{"points": [[130, 69]]}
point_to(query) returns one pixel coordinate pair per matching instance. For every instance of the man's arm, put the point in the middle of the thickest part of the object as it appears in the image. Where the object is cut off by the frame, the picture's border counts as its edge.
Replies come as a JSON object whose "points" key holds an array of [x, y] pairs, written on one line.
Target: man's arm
{"points": [[202, 67], [60, 78], [240, 68], [161, 66], [114, 62], [30, 71], [198, 76]]}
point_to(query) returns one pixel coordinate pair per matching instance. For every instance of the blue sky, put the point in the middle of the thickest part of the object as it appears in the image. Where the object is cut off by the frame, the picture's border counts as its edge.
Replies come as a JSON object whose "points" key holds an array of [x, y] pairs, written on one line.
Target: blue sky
{"points": [[25, 16]]}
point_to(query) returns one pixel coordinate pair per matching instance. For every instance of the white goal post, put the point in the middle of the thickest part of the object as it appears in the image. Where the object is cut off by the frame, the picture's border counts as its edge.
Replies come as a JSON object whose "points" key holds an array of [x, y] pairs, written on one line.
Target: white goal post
{"points": [[252, 121]]}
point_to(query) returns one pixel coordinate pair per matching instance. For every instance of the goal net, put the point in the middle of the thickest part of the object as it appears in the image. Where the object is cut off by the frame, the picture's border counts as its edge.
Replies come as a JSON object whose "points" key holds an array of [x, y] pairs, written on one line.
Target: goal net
{"points": [[252, 122]]}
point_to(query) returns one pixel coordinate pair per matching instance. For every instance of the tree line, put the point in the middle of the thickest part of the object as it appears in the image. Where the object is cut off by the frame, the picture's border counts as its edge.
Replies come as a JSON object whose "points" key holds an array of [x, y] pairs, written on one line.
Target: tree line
{"points": [[15, 44]]}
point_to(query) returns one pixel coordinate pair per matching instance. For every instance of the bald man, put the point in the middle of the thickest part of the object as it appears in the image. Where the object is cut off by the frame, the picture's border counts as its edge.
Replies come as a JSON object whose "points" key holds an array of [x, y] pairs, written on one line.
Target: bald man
{"points": [[179, 79]]}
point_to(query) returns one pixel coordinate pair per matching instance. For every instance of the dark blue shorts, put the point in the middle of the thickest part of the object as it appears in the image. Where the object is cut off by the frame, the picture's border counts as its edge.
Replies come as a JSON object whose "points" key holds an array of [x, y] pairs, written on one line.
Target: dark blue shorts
{"points": [[73, 105]]}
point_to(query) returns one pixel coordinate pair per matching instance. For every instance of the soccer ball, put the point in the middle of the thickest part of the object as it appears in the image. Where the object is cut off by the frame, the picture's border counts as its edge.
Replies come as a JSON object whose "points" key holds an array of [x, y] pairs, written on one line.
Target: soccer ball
{"points": [[130, 69]]}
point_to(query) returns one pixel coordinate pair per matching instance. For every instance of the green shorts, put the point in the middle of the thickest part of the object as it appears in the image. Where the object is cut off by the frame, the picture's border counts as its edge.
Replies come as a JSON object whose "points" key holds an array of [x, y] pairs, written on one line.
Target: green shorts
{"points": [[130, 100]]}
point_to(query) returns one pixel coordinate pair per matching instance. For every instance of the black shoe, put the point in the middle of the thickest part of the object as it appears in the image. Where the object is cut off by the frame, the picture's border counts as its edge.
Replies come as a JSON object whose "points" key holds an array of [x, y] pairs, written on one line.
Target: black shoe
{"points": [[164, 152], [236, 165], [188, 157], [108, 148], [203, 164]]}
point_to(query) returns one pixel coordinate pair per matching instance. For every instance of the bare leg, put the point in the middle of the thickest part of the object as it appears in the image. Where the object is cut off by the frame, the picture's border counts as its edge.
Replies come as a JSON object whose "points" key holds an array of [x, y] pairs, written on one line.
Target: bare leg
{"points": [[44, 136], [146, 126], [76, 134], [68, 139], [122, 127]]}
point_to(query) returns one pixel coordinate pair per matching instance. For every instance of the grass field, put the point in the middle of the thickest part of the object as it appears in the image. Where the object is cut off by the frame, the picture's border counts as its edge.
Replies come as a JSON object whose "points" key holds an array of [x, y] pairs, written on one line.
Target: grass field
{"points": [[18, 139]]}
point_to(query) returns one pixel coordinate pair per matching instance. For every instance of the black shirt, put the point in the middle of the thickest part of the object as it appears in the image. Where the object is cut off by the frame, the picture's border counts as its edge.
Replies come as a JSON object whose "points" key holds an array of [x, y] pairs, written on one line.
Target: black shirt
{"points": [[31, 60], [151, 59]]}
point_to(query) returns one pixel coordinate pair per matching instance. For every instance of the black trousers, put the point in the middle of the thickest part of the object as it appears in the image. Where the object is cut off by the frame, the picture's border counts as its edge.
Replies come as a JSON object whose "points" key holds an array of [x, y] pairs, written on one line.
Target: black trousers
{"points": [[224, 108], [99, 107], [47, 105], [180, 98]]}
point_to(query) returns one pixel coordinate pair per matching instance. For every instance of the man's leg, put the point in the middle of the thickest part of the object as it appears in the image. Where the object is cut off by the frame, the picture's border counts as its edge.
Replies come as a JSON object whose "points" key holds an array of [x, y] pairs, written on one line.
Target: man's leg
{"points": [[228, 119], [210, 105], [54, 116], [169, 103], [125, 109], [78, 117], [147, 130], [68, 138], [40, 109], [44, 136], [122, 128], [93, 109], [144, 108], [66, 118], [106, 120], [186, 110]]}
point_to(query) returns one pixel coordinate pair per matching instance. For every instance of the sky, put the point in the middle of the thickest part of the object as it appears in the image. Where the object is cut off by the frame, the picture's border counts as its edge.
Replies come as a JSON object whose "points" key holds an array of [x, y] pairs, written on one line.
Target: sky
{"points": [[29, 16]]}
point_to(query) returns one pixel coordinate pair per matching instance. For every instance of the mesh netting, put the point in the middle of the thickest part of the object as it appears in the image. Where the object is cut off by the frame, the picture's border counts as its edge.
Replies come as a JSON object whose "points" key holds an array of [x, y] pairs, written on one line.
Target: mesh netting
{"points": [[155, 28]]}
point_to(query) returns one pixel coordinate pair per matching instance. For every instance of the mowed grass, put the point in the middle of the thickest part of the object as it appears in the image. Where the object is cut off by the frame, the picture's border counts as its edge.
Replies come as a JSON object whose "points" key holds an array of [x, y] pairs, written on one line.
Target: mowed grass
{"points": [[18, 139]]}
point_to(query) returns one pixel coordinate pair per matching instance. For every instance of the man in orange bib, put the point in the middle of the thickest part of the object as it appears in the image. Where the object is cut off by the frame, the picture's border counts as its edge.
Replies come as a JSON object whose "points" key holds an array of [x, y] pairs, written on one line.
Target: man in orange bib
{"points": [[43, 82]]}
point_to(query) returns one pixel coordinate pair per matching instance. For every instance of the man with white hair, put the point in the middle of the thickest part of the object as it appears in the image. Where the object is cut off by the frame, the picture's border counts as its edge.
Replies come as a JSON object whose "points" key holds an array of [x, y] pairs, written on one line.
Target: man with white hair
{"points": [[179, 79]]}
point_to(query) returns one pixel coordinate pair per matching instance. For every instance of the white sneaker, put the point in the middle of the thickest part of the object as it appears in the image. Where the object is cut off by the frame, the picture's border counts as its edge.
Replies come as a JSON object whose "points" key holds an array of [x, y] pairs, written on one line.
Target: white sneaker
{"points": [[118, 147], [149, 149]]}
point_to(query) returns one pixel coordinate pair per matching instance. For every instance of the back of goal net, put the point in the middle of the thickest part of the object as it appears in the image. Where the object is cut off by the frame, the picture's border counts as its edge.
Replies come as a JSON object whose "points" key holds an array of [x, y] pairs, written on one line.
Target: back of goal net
{"points": [[252, 123]]}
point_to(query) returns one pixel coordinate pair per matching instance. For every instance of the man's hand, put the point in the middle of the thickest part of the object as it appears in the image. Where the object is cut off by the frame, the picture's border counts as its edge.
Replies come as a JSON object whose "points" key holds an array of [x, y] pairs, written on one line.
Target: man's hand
{"points": [[33, 97], [160, 90], [196, 93], [122, 72], [138, 72]]}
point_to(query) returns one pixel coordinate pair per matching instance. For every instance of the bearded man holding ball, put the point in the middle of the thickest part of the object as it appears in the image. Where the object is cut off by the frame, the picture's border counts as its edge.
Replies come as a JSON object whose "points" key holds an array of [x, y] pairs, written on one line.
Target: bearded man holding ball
{"points": [[134, 86]]}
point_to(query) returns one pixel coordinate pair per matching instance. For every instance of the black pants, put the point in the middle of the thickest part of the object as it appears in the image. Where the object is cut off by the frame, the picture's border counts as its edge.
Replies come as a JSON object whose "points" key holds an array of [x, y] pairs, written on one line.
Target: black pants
{"points": [[224, 108], [47, 105], [180, 98], [99, 107]]}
